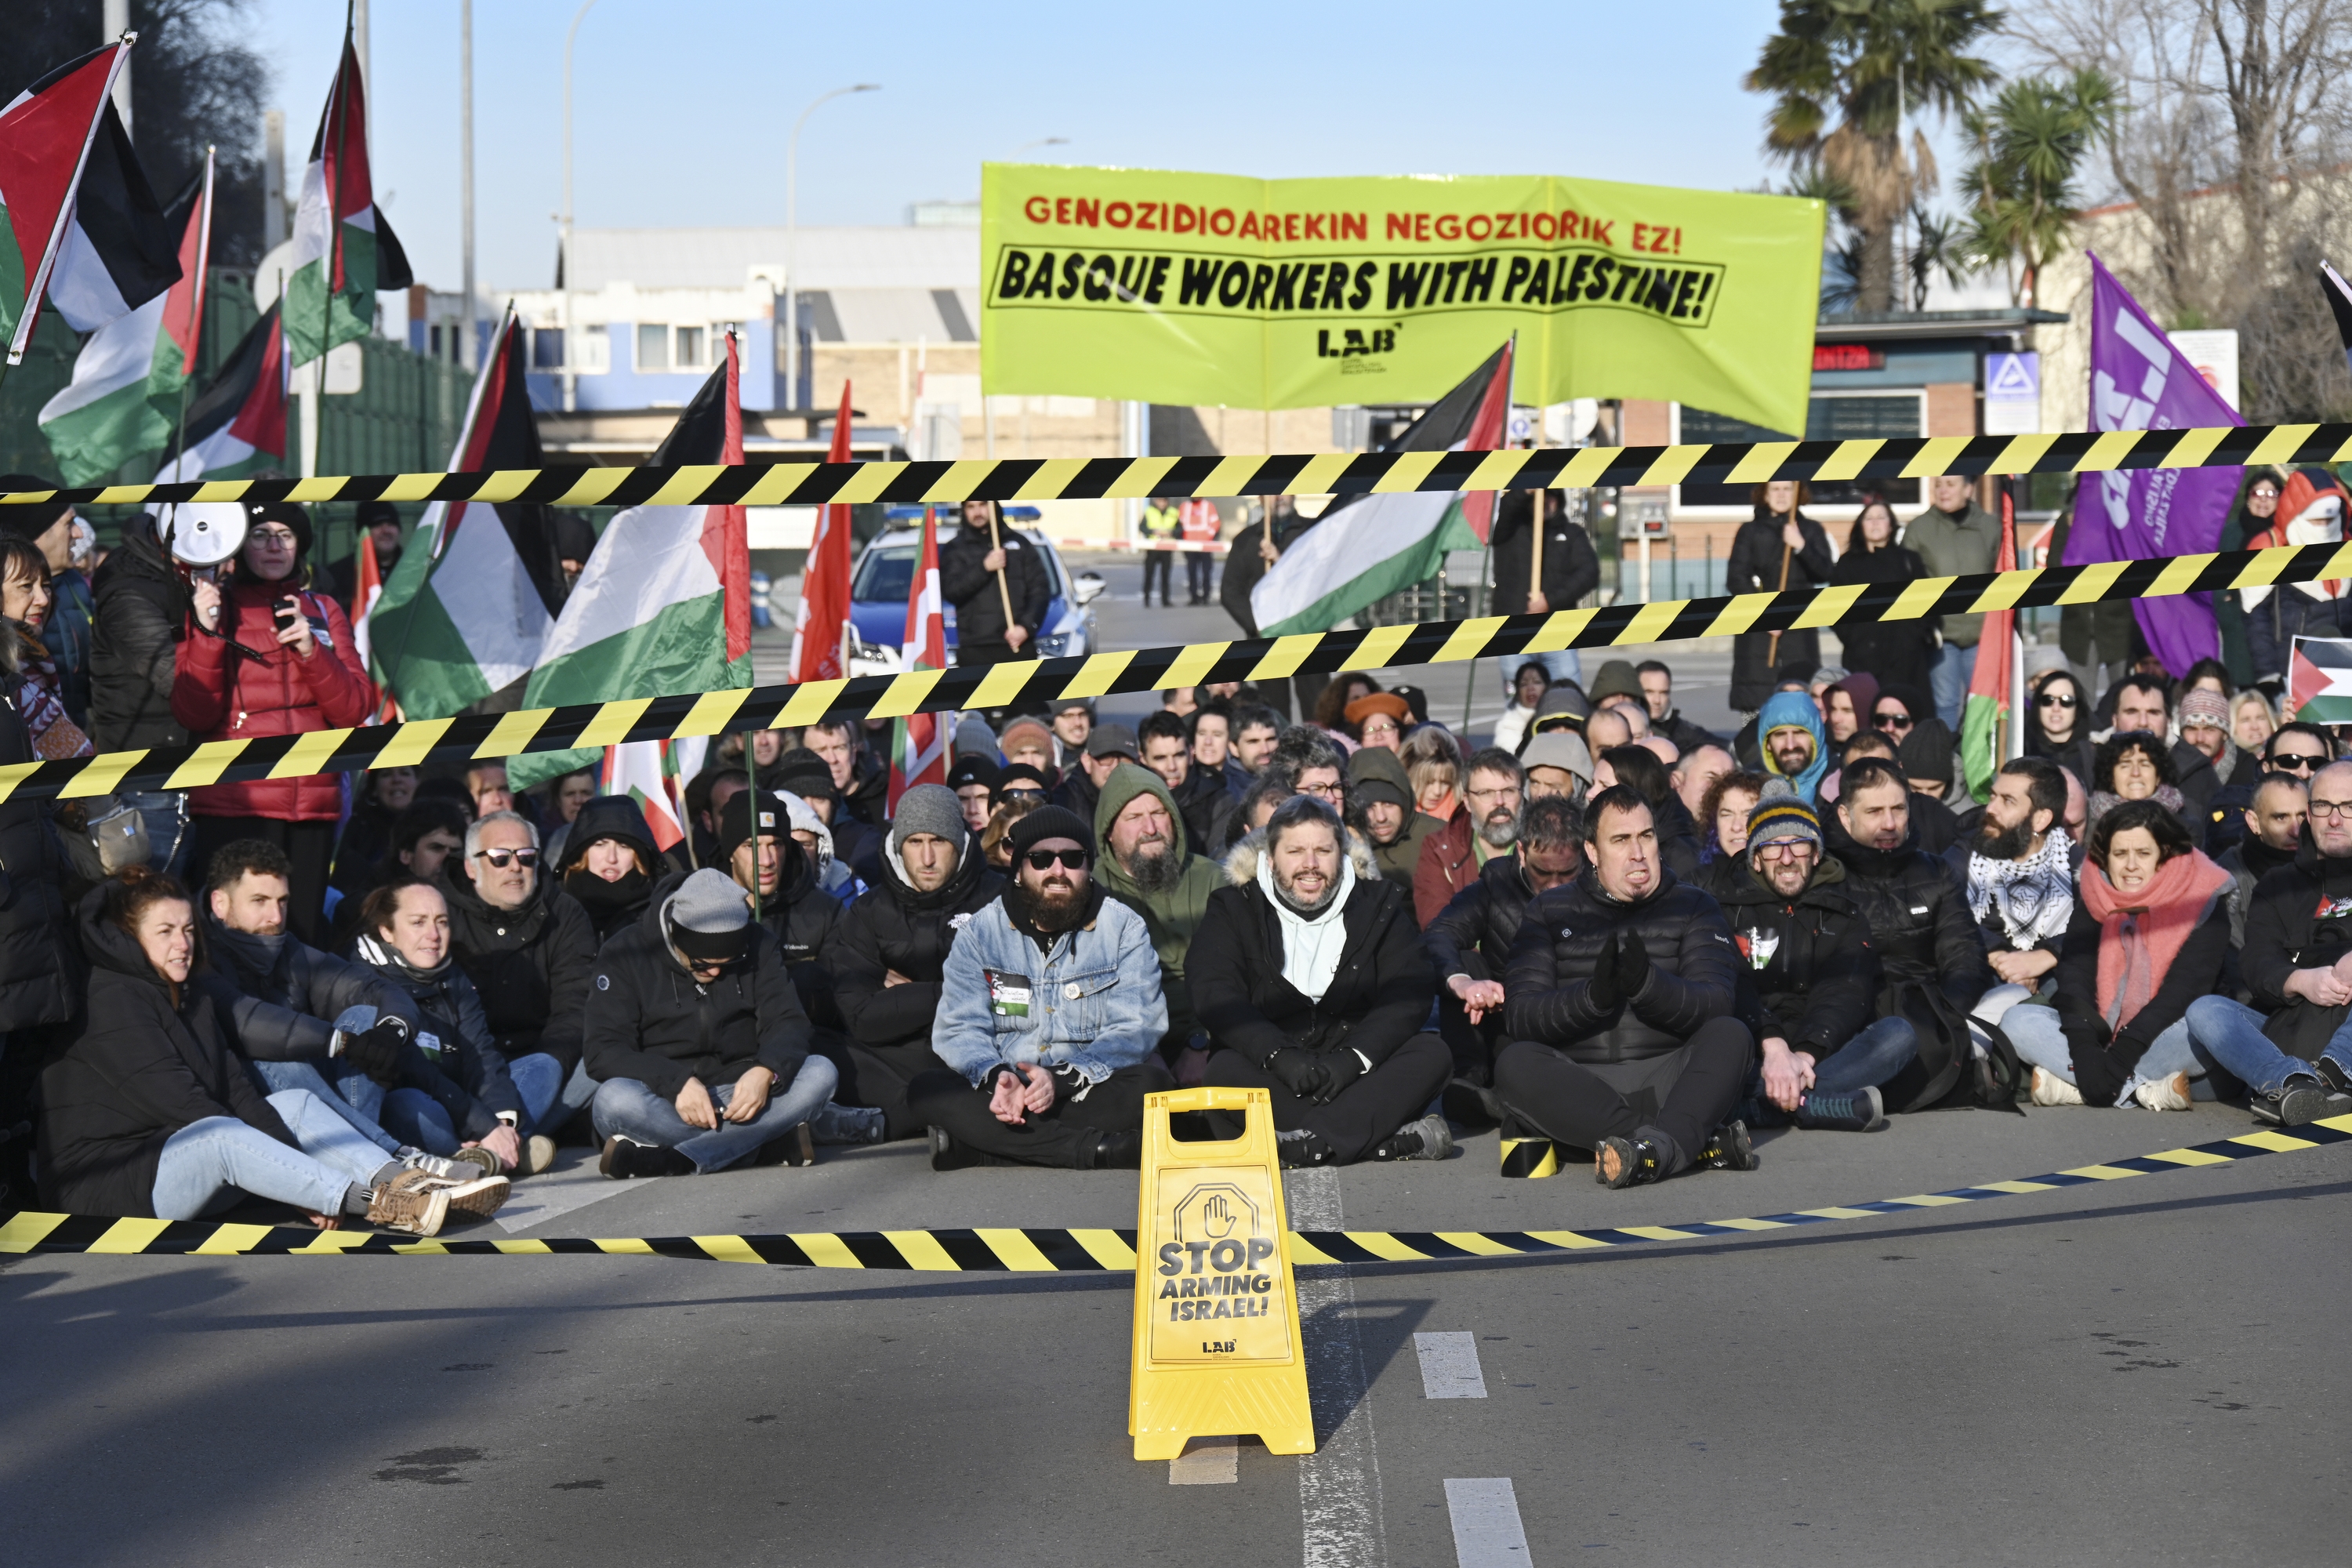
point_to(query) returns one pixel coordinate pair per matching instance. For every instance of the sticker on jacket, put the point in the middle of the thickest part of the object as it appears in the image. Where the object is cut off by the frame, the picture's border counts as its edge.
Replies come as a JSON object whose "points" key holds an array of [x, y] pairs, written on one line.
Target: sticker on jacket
{"points": [[429, 1043], [1758, 946], [1008, 993], [2332, 908]]}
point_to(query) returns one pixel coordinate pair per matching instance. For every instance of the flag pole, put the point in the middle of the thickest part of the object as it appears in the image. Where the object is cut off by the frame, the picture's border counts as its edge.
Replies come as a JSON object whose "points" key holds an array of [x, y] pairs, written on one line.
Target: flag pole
{"points": [[197, 312]]}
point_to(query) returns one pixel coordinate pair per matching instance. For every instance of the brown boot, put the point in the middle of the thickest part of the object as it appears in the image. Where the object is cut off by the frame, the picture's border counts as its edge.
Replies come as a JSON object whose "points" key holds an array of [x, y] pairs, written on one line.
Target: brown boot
{"points": [[416, 1205]]}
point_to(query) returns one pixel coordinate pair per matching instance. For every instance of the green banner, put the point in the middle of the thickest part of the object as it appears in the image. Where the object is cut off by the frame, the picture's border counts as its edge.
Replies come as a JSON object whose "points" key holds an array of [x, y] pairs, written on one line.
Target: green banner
{"points": [[1214, 289]]}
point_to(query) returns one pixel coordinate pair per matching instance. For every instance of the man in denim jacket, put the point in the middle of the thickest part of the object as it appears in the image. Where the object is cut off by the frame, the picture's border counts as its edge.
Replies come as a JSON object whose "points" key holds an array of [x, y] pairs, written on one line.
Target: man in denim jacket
{"points": [[1049, 1010]]}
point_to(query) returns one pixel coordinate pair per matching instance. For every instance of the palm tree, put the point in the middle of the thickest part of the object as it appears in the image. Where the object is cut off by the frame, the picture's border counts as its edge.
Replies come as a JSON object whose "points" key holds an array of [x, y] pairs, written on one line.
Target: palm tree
{"points": [[2027, 146], [1845, 74]]}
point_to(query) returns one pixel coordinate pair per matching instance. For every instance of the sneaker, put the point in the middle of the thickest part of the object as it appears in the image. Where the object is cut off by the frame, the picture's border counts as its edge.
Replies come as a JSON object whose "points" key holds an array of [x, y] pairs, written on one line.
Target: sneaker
{"points": [[538, 1154], [431, 1165], [414, 1207], [2333, 1075], [2302, 1098], [838, 1123], [1627, 1162], [476, 1156], [1300, 1148], [1728, 1149], [2049, 1089], [947, 1155], [482, 1197], [625, 1158], [2164, 1093], [1862, 1112], [1427, 1139]]}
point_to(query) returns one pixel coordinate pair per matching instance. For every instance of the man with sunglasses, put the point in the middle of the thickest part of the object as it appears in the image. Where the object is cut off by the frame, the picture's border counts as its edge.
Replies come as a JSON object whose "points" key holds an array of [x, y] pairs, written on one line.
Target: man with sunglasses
{"points": [[1050, 1011], [530, 948], [1809, 979], [2293, 1048], [2298, 748]]}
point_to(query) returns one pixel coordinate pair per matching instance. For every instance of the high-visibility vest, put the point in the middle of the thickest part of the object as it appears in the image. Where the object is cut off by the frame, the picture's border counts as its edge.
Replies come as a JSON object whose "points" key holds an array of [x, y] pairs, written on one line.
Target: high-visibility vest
{"points": [[1161, 522], [1202, 524]]}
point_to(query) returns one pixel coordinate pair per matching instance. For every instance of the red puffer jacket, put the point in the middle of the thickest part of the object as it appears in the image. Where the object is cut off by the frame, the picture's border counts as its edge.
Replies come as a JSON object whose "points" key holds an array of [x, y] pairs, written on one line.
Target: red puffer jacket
{"points": [[218, 695]]}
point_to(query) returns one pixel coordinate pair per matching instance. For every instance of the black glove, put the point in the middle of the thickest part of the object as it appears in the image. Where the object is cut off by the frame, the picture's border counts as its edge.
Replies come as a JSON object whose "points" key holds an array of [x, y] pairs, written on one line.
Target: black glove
{"points": [[378, 1051], [2098, 1076], [1632, 965], [1299, 1071], [1602, 986], [1341, 1068]]}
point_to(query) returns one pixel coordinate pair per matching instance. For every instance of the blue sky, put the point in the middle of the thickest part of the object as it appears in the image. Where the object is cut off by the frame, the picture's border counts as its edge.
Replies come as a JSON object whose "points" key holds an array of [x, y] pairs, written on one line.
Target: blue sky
{"points": [[683, 106]]}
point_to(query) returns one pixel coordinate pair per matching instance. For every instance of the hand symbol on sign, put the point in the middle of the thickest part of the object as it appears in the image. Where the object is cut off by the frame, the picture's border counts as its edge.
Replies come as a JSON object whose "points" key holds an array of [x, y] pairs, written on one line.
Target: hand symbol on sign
{"points": [[1217, 1218]]}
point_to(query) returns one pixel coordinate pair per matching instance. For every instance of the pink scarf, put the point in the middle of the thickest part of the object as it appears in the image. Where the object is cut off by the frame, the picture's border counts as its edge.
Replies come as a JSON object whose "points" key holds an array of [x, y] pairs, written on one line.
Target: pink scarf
{"points": [[2141, 936]]}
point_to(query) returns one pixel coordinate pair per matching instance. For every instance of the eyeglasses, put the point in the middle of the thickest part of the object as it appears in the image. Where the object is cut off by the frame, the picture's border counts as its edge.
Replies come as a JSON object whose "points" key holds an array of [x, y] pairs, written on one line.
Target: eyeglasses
{"points": [[1891, 721], [2053, 700], [1046, 860], [1784, 848], [502, 858], [1322, 791], [2330, 810], [2299, 762], [276, 538]]}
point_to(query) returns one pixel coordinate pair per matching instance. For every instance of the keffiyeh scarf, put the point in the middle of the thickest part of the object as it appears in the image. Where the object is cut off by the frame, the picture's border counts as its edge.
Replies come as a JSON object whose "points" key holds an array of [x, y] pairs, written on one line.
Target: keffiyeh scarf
{"points": [[2032, 897]]}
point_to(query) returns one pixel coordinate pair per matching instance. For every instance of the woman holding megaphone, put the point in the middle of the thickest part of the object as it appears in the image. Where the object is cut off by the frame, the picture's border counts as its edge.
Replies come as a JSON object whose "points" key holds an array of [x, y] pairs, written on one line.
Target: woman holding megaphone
{"points": [[265, 656]]}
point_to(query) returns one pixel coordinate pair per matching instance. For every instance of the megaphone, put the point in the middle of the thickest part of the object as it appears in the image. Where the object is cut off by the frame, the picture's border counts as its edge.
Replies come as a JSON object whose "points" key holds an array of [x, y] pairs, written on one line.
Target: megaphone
{"points": [[202, 533]]}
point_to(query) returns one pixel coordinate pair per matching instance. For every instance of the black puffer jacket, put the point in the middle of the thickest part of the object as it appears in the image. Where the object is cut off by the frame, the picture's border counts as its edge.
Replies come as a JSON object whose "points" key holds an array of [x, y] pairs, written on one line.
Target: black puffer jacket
{"points": [[1918, 916], [1808, 974], [141, 609], [1471, 935], [279, 997], [971, 588], [2299, 917], [1206, 804], [892, 928], [466, 1074], [1378, 999], [802, 919], [650, 1020], [610, 906], [1548, 982], [531, 965], [40, 977], [1571, 569], [144, 1068]]}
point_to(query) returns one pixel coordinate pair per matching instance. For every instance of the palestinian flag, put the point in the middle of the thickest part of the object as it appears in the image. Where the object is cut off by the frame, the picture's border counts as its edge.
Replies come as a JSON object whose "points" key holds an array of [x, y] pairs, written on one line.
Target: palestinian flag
{"points": [[470, 604], [664, 603], [1985, 721], [2339, 301], [654, 775], [129, 381], [2319, 680], [1368, 547], [344, 250], [77, 220], [236, 424], [919, 741]]}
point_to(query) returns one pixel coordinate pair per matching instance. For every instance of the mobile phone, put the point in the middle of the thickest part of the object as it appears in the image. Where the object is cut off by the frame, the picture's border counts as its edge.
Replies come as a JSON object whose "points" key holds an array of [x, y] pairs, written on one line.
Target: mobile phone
{"points": [[287, 614]]}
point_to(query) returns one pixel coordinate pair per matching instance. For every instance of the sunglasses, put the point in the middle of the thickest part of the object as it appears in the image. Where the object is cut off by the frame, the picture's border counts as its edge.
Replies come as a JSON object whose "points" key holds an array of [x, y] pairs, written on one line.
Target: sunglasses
{"points": [[2300, 762], [502, 858], [1037, 795], [1891, 721], [1046, 860], [2053, 700]]}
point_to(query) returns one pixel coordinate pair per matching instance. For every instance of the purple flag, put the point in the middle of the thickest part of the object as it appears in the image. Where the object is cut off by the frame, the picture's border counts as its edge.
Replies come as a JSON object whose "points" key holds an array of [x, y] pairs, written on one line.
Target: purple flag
{"points": [[2140, 382]]}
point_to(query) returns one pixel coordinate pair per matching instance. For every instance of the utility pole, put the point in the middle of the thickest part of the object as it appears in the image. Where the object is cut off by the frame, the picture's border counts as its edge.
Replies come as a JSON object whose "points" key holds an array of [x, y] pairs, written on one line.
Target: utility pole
{"points": [[565, 260], [273, 180], [467, 351], [367, 76], [117, 23], [792, 238]]}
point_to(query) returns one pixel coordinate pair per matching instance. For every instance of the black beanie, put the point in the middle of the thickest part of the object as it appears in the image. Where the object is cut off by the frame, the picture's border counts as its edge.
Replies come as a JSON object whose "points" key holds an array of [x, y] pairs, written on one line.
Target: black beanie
{"points": [[735, 821], [35, 519], [297, 519], [1049, 822], [1927, 751], [803, 773]]}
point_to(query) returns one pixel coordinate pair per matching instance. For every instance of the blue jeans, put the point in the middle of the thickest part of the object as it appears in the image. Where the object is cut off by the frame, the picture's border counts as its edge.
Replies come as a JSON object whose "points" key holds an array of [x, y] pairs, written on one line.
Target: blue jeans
{"points": [[1955, 667], [625, 1108], [2231, 1034], [207, 1163], [549, 1098], [1562, 664], [358, 1099], [1870, 1059], [2041, 1043]]}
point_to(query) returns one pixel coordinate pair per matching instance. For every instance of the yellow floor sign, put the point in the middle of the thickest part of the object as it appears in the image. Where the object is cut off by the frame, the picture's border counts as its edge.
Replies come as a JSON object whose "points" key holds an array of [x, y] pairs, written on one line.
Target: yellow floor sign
{"points": [[1217, 1348]]}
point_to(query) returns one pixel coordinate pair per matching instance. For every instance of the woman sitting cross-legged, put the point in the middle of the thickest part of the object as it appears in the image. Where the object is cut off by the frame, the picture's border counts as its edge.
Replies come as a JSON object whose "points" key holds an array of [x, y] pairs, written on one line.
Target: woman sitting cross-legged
{"points": [[151, 1114], [2151, 930]]}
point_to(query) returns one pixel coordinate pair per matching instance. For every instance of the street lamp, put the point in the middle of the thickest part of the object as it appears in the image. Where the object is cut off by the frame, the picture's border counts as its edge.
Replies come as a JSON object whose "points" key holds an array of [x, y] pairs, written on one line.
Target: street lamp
{"points": [[570, 358], [792, 235]]}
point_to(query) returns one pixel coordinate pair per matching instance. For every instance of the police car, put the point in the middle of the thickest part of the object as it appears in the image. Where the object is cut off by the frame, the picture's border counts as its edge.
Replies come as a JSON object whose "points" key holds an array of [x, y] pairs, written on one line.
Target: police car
{"points": [[884, 579]]}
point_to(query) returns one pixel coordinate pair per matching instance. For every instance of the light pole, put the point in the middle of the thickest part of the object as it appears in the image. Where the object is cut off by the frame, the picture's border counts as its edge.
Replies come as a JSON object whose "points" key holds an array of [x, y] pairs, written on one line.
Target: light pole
{"points": [[792, 235], [571, 356]]}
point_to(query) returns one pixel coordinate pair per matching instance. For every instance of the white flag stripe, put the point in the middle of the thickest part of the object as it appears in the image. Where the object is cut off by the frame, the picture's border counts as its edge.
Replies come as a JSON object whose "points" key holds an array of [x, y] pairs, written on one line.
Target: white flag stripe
{"points": [[490, 599], [650, 558], [120, 353], [1338, 551]]}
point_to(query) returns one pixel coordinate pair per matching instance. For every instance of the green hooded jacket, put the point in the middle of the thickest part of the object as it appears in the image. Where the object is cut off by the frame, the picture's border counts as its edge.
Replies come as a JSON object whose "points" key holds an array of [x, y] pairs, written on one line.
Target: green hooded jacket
{"points": [[1173, 914]]}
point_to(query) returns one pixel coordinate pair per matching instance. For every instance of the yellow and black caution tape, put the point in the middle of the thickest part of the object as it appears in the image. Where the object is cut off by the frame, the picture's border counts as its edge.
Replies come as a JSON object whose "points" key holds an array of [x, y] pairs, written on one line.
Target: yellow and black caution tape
{"points": [[1327, 473], [1069, 1251], [706, 713]]}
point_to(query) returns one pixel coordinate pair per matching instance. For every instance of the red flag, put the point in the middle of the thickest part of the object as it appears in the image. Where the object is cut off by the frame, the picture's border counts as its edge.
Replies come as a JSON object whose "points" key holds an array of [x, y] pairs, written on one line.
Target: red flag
{"points": [[824, 580], [727, 530], [918, 753], [1985, 721], [45, 139], [1487, 431]]}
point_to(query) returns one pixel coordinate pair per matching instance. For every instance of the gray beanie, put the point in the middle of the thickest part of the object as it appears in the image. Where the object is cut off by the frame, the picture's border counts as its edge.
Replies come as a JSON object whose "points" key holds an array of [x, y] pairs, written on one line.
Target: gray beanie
{"points": [[709, 917], [928, 809], [973, 738]]}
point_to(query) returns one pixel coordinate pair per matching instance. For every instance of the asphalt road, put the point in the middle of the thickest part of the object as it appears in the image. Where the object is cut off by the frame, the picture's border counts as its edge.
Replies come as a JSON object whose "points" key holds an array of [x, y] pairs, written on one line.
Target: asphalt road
{"points": [[2148, 1371]]}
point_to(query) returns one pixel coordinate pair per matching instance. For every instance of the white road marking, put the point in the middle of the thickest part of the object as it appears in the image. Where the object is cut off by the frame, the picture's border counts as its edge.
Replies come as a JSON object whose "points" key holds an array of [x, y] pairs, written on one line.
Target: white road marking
{"points": [[1207, 1462], [1486, 1529], [1449, 1366], [573, 1183], [1339, 1483]]}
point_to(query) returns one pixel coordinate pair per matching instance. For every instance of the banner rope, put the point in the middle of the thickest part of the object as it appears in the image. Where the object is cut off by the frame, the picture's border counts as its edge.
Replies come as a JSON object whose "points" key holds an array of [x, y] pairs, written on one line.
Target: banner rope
{"points": [[706, 713], [1050, 1251], [1327, 473]]}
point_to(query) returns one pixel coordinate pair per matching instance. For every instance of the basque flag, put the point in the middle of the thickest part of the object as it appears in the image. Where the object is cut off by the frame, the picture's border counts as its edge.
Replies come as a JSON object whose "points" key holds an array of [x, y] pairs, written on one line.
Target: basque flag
{"points": [[918, 742]]}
